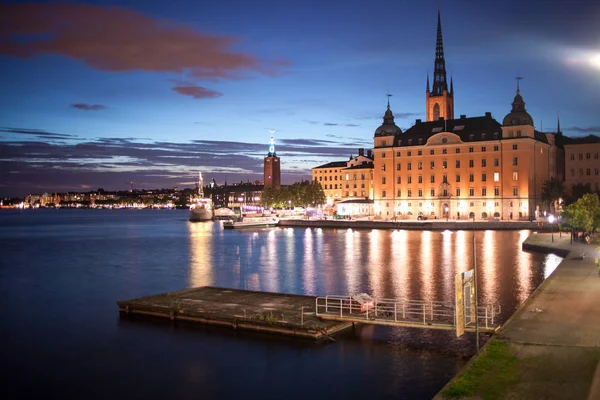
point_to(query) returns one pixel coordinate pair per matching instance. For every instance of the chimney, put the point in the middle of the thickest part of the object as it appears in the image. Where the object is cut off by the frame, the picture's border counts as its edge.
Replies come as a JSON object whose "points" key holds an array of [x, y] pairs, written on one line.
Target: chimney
{"points": [[441, 119], [369, 153], [361, 152], [463, 116], [417, 122], [488, 114]]}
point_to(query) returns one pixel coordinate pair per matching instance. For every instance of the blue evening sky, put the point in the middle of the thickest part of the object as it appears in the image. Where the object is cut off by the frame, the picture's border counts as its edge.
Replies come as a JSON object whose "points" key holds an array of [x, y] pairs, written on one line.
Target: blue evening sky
{"points": [[98, 93]]}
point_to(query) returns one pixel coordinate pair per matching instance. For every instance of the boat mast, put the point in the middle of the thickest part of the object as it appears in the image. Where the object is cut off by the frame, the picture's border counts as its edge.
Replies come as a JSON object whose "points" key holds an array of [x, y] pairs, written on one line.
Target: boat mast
{"points": [[200, 185]]}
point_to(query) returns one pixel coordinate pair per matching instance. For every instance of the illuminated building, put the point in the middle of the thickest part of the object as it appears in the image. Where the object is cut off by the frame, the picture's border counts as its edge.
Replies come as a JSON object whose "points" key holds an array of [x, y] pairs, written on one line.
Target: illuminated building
{"points": [[352, 179], [582, 162], [272, 171]]}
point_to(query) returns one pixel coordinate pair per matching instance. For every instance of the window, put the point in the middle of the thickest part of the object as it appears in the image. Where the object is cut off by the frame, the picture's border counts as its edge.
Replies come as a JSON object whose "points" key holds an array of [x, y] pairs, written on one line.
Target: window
{"points": [[515, 161], [471, 177], [588, 172], [495, 147], [581, 156], [471, 137], [383, 180], [572, 172], [432, 193], [420, 179], [595, 171], [419, 153], [408, 153], [383, 167], [399, 193], [444, 164], [496, 137], [483, 149], [518, 133], [444, 178], [432, 179], [516, 176], [398, 167], [588, 156], [398, 180], [496, 162], [510, 133], [347, 177], [471, 163], [483, 191], [409, 179], [483, 162], [483, 177], [595, 156], [515, 191], [496, 191], [572, 156], [383, 193], [457, 151], [397, 154], [383, 154], [580, 172], [514, 147], [470, 148], [496, 176], [471, 192], [457, 178], [457, 191], [431, 152], [420, 192], [444, 151], [419, 165], [457, 163], [409, 166], [432, 165], [409, 194]]}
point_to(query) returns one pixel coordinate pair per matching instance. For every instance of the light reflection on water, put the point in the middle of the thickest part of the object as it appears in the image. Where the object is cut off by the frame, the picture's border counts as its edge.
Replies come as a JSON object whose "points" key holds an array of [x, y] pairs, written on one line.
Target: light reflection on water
{"points": [[392, 264]]}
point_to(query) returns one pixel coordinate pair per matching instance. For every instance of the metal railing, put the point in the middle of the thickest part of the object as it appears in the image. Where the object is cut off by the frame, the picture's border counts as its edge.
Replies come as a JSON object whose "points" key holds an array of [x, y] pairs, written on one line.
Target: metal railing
{"points": [[401, 311]]}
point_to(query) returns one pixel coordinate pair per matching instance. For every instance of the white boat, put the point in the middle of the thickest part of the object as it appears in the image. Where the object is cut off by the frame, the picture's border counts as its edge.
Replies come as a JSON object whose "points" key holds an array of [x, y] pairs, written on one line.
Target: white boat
{"points": [[201, 208], [251, 222]]}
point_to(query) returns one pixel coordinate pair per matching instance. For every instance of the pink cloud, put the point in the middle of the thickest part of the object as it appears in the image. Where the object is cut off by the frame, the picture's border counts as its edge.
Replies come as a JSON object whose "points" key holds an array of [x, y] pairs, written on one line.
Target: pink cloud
{"points": [[117, 39], [197, 92], [88, 107]]}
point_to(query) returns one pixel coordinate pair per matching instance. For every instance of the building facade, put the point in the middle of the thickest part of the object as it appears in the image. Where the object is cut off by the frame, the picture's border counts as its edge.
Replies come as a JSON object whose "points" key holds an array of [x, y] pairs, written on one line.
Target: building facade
{"points": [[582, 162]]}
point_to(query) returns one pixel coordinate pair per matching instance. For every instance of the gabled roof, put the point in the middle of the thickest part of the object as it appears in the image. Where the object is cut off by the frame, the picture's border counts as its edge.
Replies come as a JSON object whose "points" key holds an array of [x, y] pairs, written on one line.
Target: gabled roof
{"points": [[581, 140], [333, 164], [468, 129], [365, 165]]}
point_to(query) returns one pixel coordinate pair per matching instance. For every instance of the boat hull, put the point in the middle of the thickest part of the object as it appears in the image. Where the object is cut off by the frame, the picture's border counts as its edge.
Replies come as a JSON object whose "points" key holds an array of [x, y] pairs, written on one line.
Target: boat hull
{"points": [[200, 214], [246, 223]]}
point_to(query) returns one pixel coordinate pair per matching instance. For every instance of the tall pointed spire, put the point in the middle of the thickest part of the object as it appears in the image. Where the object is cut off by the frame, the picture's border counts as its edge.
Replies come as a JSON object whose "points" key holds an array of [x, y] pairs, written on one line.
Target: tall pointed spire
{"points": [[428, 83], [439, 75], [451, 85], [558, 124]]}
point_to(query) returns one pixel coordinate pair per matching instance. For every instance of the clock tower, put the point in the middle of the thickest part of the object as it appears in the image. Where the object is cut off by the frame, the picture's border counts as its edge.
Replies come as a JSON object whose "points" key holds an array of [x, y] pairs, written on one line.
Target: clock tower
{"points": [[272, 174]]}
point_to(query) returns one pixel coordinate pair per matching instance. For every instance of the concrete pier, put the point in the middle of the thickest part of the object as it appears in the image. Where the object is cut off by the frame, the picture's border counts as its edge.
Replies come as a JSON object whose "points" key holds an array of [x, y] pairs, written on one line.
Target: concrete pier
{"points": [[278, 313], [554, 338]]}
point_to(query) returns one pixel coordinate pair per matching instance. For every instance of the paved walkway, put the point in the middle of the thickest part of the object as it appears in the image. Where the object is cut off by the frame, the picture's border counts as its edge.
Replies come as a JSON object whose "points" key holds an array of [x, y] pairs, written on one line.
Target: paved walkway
{"points": [[556, 333]]}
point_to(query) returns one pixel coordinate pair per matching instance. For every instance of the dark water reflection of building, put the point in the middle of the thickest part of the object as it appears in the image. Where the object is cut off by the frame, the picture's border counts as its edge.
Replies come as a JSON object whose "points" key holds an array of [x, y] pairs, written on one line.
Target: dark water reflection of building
{"points": [[392, 264]]}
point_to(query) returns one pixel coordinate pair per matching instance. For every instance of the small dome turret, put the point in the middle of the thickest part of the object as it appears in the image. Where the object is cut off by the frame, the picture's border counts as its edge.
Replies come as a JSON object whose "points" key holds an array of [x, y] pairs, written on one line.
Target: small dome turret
{"points": [[518, 114], [388, 128]]}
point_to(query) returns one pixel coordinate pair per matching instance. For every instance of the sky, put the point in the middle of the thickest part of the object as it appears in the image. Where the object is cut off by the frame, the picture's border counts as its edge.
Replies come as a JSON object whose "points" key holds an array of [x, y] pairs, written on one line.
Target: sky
{"points": [[97, 94]]}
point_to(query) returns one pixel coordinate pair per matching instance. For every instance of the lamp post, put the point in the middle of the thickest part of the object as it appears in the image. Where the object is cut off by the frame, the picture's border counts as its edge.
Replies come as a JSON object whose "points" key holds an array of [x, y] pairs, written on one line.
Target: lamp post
{"points": [[551, 220]]}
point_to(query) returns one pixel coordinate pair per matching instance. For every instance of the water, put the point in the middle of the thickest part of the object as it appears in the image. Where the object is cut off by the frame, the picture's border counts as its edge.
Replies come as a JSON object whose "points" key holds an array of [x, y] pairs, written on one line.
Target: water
{"points": [[62, 271]]}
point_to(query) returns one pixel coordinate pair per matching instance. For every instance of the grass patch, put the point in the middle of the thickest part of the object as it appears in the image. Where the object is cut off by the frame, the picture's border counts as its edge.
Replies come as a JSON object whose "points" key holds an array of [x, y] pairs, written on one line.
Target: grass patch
{"points": [[489, 376]]}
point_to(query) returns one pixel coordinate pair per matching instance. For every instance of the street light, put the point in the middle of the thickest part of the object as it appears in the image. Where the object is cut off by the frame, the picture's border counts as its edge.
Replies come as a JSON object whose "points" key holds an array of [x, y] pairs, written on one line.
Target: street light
{"points": [[446, 213], [551, 220]]}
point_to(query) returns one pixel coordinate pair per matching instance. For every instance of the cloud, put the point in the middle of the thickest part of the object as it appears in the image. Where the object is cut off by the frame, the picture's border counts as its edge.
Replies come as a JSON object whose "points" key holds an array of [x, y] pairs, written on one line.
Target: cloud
{"points": [[88, 107], [330, 124], [38, 133], [589, 129], [117, 39], [197, 92], [352, 125]]}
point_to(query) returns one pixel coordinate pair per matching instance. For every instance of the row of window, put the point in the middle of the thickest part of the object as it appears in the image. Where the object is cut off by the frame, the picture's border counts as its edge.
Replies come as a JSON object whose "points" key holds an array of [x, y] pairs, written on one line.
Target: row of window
{"points": [[515, 177], [444, 151], [515, 162], [588, 156], [342, 186], [335, 177], [446, 192], [588, 172]]}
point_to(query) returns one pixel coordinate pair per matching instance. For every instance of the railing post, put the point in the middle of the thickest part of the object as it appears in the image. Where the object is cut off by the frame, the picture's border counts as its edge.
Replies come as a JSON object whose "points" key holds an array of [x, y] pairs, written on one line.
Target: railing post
{"points": [[492, 314], [367, 312], [341, 307], [424, 314], [326, 304], [403, 311], [431, 305], [375, 307], [395, 313], [350, 302], [302, 316], [486, 317]]}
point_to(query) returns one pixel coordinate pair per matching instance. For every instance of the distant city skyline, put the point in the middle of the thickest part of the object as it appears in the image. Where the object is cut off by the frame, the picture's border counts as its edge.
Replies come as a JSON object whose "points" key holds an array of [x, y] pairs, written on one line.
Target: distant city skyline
{"points": [[102, 93]]}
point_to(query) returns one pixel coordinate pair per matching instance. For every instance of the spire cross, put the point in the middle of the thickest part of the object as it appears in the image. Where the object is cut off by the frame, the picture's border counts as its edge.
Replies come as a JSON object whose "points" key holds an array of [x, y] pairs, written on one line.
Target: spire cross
{"points": [[388, 96], [518, 78]]}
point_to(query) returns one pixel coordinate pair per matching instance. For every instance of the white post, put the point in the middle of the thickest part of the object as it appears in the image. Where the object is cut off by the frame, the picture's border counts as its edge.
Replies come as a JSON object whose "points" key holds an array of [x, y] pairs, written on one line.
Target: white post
{"points": [[486, 316], [302, 316], [424, 314], [341, 307], [395, 313], [326, 303]]}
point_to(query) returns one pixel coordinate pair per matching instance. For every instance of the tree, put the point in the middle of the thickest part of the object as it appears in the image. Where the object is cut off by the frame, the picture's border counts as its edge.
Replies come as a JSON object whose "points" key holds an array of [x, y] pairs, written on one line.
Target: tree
{"points": [[552, 190], [580, 189], [584, 214]]}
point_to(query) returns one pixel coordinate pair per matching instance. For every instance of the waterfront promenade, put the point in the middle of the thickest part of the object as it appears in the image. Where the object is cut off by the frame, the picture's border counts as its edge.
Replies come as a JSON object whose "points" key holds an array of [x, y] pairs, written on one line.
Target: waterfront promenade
{"points": [[552, 341]]}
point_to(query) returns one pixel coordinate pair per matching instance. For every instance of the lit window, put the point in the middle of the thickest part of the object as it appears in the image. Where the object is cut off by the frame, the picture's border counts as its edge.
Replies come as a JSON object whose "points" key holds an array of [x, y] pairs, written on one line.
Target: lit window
{"points": [[496, 176], [516, 175], [515, 191]]}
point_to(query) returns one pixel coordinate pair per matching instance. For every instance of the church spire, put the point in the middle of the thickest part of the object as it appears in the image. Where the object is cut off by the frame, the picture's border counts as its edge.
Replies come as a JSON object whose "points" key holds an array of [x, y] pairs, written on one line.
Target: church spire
{"points": [[428, 83], [439, 75], [451, 86], [558, 124]]}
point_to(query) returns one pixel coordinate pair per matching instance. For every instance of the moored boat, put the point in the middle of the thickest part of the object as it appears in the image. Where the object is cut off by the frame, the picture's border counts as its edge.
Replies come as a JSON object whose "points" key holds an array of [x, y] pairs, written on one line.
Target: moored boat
{"points": [[201, 208], [251, 222]]}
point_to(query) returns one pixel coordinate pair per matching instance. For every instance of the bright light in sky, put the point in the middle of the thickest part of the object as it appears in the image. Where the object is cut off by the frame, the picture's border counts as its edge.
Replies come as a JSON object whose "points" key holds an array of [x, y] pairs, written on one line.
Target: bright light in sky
{"points": [[595, 61]]}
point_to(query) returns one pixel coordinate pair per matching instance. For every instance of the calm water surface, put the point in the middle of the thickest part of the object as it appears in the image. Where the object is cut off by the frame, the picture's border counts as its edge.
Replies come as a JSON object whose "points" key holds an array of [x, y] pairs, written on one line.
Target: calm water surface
{"points": [[62, 271]]}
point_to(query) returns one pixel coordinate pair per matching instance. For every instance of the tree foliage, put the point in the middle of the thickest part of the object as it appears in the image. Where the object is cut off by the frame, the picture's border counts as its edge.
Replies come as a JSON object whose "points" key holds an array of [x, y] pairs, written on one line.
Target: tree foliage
{"points": [[584, 214], [299, 194], [552, 190]]}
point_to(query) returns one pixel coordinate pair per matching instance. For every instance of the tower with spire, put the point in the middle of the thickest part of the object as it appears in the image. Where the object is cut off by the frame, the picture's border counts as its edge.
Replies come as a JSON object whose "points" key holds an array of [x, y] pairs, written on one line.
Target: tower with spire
{"points": [[439, 101], [272, 170]]}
